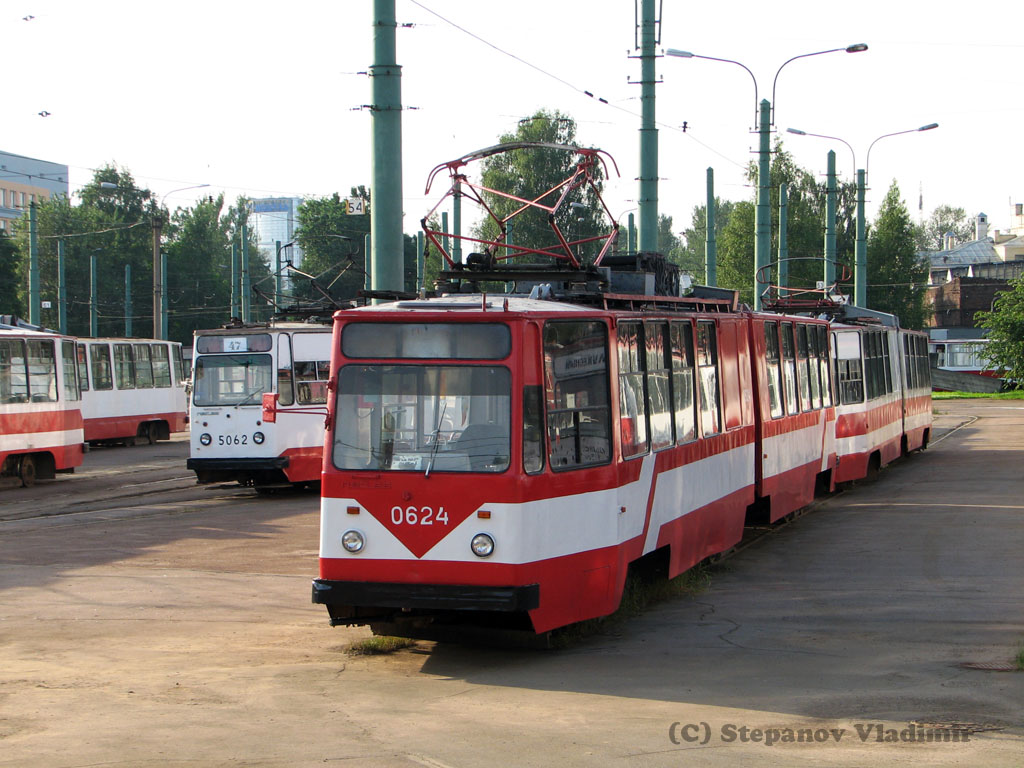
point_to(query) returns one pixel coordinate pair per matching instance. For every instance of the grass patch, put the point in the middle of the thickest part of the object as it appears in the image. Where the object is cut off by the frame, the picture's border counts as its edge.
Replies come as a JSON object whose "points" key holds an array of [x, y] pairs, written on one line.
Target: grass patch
{"points": [[1018, 660], [638, 595], [377, 646], [1016, 394]]}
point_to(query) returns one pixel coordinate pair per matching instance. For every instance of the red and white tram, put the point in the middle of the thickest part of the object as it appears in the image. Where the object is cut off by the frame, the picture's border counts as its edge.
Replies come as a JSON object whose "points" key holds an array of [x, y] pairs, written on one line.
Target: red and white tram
{"points": [[40, 409], [131, 388], [233, 368]]}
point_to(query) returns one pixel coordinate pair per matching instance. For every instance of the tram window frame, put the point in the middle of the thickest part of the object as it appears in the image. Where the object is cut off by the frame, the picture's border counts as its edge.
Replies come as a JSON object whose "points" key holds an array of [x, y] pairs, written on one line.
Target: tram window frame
{"points": [[42, 368], [69, 363], [101, 367], [824, 368], [803, 365], [285, 373], [566, 413], [789, 374], [82, 357], [659, 387], [813, 368], [709, 378], [160, 359], [683, 382], [143, 366], [634, 434], [773, 368], [850, 378], [14, 386], [124, 366], [310, 378]]}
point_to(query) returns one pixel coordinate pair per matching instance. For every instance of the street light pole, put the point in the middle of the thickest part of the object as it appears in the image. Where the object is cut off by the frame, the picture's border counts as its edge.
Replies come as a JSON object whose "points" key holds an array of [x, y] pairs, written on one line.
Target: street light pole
{"points": [[765, 119]]}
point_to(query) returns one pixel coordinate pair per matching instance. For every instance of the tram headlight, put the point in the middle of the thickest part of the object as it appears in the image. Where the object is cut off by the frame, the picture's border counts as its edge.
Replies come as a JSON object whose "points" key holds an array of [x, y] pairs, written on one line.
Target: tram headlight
{"points": [[353, 541], [482, 545], [205, 439], [258, 438]]}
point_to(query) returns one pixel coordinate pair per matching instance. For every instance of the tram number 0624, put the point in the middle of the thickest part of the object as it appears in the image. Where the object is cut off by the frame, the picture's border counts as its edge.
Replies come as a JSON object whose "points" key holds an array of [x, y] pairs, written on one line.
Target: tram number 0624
{"points": [[418, 516]]}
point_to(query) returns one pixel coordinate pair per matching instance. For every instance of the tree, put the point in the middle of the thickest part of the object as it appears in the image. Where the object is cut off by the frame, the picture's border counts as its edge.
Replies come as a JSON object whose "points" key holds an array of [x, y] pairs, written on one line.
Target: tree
{"points": [[945, 218], [528, 173], [10, 302], [896, 276], [690, 255], [1005, 331]]}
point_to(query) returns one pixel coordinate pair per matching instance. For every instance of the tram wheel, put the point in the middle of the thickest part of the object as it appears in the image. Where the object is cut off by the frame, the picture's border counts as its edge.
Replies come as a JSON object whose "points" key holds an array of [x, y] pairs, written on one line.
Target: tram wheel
{"points": [[27, 471], [151, 433]]}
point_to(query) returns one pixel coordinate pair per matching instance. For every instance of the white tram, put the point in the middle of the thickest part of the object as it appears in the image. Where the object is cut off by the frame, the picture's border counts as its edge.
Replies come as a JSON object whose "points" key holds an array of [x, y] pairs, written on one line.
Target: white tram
{"points": [[131, 388], [40, 406], [233, 368]]}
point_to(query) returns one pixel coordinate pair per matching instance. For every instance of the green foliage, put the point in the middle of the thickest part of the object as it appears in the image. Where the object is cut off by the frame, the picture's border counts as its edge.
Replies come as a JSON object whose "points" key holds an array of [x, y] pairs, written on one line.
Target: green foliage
{"points": [[896, 276], [690, 255], [10, 301], [945, 218], [1005, 331], [529, 174]]}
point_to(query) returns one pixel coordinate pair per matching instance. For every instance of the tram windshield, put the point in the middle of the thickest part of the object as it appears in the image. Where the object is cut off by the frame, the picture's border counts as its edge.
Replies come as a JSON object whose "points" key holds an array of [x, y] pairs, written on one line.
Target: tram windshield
{"points": [[232, 379], [423, 418]]}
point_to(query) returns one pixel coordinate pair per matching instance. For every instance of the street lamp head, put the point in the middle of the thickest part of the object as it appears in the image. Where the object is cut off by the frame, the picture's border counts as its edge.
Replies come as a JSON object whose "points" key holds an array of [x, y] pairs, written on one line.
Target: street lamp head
{"points": [[856, 48], [928, 127], [797, 131], [108, 185], [678, 53]]}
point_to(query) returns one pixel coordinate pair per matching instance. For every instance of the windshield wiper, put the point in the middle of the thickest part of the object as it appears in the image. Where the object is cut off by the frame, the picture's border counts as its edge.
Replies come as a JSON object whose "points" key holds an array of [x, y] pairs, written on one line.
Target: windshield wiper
{"points": [[437, 441], [249, 397]]}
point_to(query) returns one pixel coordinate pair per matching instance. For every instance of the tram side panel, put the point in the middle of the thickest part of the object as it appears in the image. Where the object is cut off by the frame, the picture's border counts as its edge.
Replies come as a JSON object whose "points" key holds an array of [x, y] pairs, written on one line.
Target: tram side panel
{"points": [[796, 413], [917, 394], [40, 406]]}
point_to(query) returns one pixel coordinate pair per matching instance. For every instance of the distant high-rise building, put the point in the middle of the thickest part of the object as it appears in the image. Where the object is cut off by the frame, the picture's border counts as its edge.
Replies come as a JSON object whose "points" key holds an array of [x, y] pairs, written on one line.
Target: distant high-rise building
{"points": [[276, 219], [25, 180]]}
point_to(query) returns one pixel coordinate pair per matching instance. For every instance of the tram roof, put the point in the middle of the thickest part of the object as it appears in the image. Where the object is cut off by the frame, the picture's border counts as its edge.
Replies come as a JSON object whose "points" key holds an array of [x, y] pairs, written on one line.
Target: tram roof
{"points": [[485, 302]]}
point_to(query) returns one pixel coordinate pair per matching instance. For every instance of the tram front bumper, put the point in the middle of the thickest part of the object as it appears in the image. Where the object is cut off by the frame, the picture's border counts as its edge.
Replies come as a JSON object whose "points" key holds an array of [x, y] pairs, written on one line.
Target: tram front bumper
{"points": [[362, 596]]}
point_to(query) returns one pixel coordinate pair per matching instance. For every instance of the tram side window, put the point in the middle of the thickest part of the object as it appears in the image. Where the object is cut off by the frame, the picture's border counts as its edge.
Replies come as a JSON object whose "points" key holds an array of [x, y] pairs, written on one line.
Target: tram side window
{"points": [[533, 429], [771, 344], [124, 366], [803, 366], [682, 382], [13, 371], [42, 372], [311, 381], [632, 410], [658, 393], [789, 368], [161, 365], [99, 356], [823, 367], [143, 367], [924, 363], [69, 362], [82, 357], [707, 372], [577, 386], [179, 366], [849, 373]]}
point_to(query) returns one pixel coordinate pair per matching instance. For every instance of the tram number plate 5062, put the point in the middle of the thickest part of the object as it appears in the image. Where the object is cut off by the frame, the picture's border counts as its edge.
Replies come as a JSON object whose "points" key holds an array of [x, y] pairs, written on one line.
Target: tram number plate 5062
{"points": [[232, 439], [418, 516]]}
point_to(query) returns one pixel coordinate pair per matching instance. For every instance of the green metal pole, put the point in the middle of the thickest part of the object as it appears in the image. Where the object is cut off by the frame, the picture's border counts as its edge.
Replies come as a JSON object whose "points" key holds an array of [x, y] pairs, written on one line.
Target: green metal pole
{"points": [[164, 303], [127, 300], [860, 278], [457, 223], [762, 214], [710, 239], [236, 307], [94, 319], [386, 169], [783, 244], [648, 203], [34, 307], [367, 263], [277, 273], [62, 290], [245, 274], [631, 240], [419, 261], [830, 222]]}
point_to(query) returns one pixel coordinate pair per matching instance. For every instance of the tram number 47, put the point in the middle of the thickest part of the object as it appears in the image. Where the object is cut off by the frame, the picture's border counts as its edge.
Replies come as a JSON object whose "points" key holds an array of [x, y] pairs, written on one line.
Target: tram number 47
{"points": [[418, 516]]}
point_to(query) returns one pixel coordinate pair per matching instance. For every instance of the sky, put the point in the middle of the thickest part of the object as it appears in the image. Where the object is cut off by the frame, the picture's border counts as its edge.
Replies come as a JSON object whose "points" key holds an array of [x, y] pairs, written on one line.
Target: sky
{"points": [[267, 98]]}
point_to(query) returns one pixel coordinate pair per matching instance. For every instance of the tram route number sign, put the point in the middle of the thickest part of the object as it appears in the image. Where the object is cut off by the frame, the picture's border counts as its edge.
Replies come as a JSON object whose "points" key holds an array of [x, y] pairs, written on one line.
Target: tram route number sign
{"points": [[355, 206]]}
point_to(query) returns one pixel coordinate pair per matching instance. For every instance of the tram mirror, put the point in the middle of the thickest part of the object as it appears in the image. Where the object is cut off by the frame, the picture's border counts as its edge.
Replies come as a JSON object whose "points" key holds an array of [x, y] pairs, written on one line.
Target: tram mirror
{"points": [[270, 407]]}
